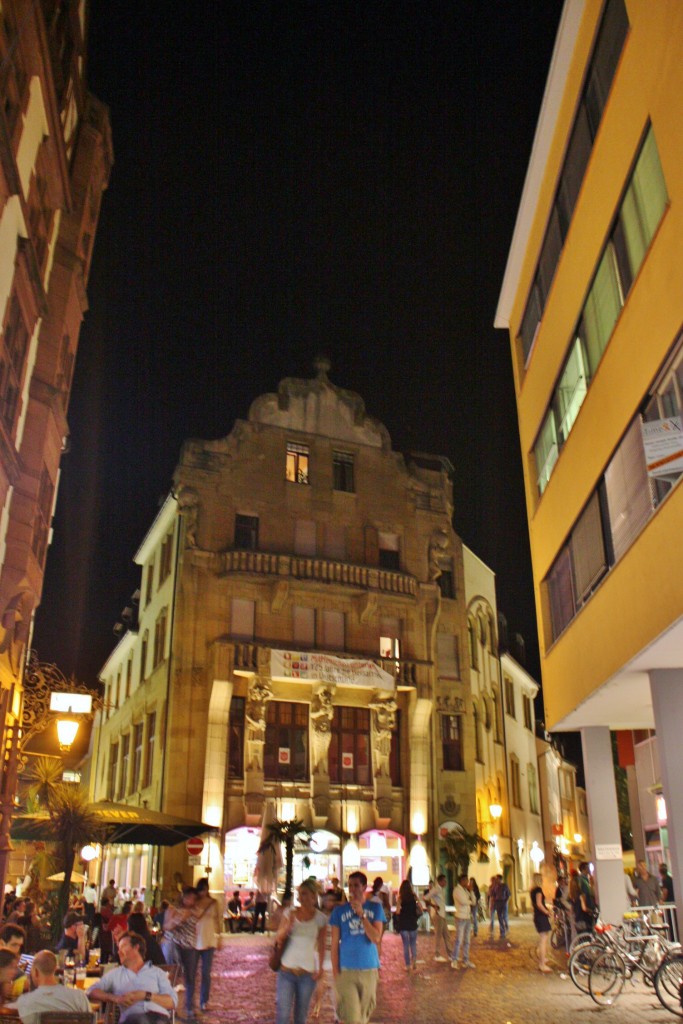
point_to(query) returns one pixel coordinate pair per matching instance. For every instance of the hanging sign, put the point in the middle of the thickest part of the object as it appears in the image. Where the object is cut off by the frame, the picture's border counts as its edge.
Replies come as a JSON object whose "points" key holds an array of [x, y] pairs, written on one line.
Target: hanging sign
{"points": [[663, 444], [310, 665]]}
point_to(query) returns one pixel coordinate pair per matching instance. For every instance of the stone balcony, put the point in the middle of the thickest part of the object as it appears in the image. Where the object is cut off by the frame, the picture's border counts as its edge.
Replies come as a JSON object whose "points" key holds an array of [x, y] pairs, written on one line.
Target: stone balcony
{"points": [[301, 567]]}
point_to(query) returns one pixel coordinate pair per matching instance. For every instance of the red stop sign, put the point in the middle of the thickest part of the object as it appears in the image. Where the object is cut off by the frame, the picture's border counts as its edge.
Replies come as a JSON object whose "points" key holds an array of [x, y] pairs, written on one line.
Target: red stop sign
{"points": [[194, 847]]}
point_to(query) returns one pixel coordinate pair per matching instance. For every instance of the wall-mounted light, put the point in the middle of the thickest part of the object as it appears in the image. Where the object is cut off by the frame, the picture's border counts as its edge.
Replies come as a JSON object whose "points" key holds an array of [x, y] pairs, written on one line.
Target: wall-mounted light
{"points": [[536, 854], [419, 864], [496, 811], [67, 729], [578, 838], [88, 853]]}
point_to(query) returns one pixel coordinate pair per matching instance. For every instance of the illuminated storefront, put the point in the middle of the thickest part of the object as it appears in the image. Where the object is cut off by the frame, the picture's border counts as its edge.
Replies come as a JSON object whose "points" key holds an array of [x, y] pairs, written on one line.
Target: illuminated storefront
{"points": [[383, 853], [241, 847]]}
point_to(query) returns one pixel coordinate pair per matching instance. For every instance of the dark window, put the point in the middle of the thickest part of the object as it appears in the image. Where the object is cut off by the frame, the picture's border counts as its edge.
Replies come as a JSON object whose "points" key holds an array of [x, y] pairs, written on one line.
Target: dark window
{"points": [[125, 759], [528, 717], [137, 755], [389, 559], [561, 592], [446, 583], [395, 753], [342, 468], [236, 744], [349, 755], [151, 740], [113, 765], [515, 787], [451, 743], [605, 58], [286, 746], [510, 698], [246, 532]]}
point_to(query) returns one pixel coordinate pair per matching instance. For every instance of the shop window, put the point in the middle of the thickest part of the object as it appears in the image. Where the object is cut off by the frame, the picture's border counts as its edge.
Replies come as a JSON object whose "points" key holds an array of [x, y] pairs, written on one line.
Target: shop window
{"points": [[451, 743], [297, 463], [246, 532], [236, 742], [342, 472], [285, 755], [349, 753]]}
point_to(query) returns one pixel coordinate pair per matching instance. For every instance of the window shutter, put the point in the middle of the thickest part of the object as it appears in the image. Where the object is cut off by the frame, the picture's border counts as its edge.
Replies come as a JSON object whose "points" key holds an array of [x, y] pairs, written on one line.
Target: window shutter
{"points": [[242, 619], [561, 592], [304, 537], [304, 626], [588, 550]]}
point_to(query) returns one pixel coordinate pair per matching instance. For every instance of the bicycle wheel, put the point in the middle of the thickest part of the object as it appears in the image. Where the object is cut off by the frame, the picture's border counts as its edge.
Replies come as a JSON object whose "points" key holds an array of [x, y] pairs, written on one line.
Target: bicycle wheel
{"points": [[581, 961], [668, 980], [558, 936], [607, 978], [582, 939]]}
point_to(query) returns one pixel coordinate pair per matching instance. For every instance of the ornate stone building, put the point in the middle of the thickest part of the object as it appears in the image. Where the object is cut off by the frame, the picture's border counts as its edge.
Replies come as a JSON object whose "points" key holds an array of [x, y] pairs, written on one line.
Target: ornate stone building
{"points": [[312, 658], [55, 160]]}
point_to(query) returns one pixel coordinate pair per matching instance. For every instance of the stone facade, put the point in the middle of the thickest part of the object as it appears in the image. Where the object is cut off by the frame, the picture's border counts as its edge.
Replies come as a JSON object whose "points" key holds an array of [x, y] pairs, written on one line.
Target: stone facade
{"points": [[55, 160], [316, 661]]}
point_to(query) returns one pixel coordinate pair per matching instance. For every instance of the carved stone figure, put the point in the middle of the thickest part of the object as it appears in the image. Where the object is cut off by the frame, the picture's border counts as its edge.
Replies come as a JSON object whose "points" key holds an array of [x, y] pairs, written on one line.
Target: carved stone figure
{"points": [[322, 713], [188, 506], [439, 543], [384, 709], [260, 692]]}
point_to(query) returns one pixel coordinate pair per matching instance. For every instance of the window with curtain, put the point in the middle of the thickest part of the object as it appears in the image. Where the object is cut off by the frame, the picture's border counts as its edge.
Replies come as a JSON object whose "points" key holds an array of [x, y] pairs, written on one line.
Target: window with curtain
{"points": [[561, 592], [644, 203], [602, 308], [571, 390], [546, 451], [629, 492]]}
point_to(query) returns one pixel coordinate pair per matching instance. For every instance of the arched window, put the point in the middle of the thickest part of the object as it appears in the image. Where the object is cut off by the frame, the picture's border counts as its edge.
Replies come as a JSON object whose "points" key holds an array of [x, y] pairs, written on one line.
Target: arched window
{"points": [[477, 733], [482, 631], [472, 634]]}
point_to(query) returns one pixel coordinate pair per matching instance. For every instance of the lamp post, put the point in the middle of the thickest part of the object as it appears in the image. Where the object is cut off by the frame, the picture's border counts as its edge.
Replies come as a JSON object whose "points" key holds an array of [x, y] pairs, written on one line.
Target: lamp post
{"points": [[46, 693]]}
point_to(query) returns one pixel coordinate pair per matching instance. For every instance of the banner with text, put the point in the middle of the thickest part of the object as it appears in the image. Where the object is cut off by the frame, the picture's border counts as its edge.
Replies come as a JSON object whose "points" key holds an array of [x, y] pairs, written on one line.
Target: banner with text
{"points": [[326, 668]]}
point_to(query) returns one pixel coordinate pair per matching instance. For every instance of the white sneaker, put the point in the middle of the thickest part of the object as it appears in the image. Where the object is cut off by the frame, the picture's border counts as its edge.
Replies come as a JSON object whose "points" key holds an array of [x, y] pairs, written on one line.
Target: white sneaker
{"points": [[468, 963], [441, 959], [455, 965]]}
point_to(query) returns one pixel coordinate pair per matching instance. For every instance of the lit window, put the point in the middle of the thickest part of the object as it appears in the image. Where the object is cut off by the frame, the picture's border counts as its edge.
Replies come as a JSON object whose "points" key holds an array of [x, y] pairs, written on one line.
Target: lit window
{"points": [[297, 463]]}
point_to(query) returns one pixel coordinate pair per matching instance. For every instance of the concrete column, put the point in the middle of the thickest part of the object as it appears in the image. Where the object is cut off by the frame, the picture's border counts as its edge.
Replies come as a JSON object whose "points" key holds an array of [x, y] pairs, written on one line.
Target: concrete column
{"points": [[666, 685], [636, 818], [603, 816]]}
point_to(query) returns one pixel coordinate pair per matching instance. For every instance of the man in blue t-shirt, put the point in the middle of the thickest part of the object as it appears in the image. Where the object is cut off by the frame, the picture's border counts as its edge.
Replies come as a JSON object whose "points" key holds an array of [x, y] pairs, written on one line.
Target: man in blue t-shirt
{"points": [[356, 929]]}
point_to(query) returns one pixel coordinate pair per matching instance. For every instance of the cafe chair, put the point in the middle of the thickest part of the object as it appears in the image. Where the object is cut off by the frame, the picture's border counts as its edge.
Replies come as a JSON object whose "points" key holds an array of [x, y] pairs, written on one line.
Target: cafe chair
{"points": [[174, 972]]}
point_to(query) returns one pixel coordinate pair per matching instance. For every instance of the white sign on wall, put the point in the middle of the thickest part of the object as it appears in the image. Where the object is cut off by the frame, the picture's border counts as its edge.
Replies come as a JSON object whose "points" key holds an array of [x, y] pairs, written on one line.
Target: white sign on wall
{"points": [[663, 444], [310, 665], [608, 851]]}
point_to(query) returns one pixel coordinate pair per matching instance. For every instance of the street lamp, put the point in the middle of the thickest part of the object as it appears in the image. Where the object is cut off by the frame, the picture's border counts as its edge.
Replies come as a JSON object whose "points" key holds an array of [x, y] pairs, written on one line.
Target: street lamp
{"points": [[67, 728], [496, 811]]}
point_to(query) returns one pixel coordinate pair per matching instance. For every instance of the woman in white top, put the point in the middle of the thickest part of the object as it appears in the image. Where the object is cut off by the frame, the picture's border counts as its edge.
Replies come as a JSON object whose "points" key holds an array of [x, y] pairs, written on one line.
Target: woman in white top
{"points": [[302, 936], [208, 926]]}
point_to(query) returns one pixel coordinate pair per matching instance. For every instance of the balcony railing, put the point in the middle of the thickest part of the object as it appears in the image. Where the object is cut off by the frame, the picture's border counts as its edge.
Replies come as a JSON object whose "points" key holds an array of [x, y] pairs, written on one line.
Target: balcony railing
{"points": [[323, 570], [404, 671]]}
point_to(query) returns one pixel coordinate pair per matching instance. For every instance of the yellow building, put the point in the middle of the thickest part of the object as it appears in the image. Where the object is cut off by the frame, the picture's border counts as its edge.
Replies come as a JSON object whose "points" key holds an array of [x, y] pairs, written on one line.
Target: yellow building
{"points": [[593, 302], [300, 649]]}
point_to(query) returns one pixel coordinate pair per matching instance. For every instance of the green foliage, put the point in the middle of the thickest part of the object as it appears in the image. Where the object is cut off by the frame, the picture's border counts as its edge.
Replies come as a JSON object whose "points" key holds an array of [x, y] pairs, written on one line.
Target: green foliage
{"points": [[461, 845], [288, 833]]}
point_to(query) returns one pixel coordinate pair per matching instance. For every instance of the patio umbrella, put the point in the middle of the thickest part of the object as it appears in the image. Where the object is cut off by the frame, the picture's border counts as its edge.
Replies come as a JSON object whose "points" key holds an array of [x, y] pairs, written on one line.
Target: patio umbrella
{"points": [[123, 823], [76, 876]]}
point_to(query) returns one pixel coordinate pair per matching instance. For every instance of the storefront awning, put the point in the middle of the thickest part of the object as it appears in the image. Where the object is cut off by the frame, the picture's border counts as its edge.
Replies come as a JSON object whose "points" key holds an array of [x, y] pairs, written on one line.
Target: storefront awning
{"points": [[120, 823]]}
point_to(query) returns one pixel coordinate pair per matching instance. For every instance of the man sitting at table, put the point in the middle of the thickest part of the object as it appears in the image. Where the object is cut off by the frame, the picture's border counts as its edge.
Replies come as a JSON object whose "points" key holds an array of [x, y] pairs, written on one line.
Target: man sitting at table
{"points": [[143, 991], [48, 996], [73, 936]]}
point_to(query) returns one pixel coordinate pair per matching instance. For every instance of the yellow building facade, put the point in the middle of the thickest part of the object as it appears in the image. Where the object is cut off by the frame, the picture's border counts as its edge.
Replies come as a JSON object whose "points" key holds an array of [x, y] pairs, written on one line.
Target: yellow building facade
{"points": [[594, 307]]}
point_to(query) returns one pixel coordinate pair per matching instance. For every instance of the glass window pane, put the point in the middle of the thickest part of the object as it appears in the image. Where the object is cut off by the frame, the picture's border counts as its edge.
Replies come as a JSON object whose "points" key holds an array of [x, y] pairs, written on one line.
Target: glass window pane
{"points": [[588, 550], [629, 491], [602, 308], [561, 592], [644, 202], [546, 451], [571, 391]]}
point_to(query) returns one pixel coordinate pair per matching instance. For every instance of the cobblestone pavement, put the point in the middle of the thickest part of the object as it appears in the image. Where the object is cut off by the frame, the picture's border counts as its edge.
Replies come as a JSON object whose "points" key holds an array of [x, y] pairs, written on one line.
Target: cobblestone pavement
{"points": [[505, 988]]}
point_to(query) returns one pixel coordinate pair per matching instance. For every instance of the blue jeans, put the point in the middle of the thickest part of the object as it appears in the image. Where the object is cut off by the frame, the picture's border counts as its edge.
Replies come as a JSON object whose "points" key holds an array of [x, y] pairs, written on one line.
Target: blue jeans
{"points": [[475, 919], [409, 940], [293, 991], [502, 911], [462, 938], [189, 958], [206, 959]]}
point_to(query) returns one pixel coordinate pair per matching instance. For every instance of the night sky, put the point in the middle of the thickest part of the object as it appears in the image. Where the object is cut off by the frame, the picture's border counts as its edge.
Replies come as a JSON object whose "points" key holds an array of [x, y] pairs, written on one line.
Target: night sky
{"points": [[294, 178]]}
